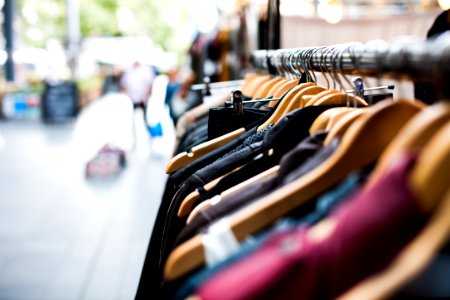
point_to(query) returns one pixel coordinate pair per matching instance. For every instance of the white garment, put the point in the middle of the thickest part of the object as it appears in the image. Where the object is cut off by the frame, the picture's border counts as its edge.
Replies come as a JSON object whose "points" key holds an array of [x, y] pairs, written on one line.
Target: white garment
{"points": [[155, 106], [219, 242], [136, 81]]}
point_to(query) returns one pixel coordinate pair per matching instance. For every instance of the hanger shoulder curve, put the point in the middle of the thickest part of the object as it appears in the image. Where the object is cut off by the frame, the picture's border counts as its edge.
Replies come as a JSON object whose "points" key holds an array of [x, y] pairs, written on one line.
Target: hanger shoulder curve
{"points": [[274, 88], [235, 189], [177, 265], [414, 136], [311, 91], [322, 121], [294, 103], [337, 117], [200, 207], [251, 88], [430, 176], [263, 175], [182, 159], [248, 79], [279, 111], [307, 101], [187, 204], [286, 86], [341, 127], [262, 91]]}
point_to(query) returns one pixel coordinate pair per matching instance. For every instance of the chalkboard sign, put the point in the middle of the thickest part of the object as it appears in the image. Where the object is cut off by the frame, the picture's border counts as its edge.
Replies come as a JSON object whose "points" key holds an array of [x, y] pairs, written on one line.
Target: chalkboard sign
{"points": [[59, 102]]}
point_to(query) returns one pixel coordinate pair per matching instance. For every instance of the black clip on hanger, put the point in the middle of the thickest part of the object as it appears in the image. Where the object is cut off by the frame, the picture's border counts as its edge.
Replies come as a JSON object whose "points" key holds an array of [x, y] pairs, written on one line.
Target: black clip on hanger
{"points": [[207, 90], [237, 102]]}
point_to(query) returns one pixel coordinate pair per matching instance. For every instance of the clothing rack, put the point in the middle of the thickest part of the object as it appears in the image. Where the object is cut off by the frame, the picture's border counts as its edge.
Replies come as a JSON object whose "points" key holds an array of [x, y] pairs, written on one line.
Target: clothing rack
{"points": [[405, 58], [217, 85]]}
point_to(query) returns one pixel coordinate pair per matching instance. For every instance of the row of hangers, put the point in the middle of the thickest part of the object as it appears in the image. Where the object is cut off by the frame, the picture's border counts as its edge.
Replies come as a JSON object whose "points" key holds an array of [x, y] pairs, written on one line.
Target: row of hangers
{"points": [[369, 133], [420, 60], [297, 90]]}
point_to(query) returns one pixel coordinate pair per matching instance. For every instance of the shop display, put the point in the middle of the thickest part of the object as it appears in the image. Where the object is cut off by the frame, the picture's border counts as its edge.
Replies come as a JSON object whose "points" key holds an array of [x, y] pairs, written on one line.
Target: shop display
{"points": [[317, 193]]}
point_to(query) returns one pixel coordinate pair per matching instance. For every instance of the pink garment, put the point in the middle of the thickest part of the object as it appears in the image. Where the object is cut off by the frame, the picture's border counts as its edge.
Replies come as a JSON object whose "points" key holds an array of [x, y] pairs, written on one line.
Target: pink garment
{"points": [[371, 228]]}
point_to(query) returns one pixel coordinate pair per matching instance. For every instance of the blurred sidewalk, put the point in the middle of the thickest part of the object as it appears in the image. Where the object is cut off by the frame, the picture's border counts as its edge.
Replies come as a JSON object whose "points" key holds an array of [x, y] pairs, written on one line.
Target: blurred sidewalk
{"points": [[61, 236]]}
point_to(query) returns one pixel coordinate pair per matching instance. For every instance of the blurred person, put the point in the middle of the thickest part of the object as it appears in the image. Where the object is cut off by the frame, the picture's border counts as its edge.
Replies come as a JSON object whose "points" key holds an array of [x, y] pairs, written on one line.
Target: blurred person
{"points": [[172, 88], [178, 97], [137, 83]]}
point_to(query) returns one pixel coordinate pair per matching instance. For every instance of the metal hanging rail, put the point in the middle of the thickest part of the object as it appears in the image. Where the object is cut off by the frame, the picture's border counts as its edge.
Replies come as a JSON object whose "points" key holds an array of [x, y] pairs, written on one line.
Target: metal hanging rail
{"points": [[403, 58], [217, 85]]}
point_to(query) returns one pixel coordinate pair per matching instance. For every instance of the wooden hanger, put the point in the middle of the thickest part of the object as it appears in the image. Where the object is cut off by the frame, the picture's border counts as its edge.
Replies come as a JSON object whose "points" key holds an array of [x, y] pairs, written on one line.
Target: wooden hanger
{"points": [[419, 253], [357, 148], [199, 208], [186, 205], [297, 100], [344, 124], [304, 100], [275, 87], [284, 102], [264, 89], [419, 130], [253, 85], [182, 159], [286, 86], [322, 121], [291, 93], [430, 178], [248, 78], [188, 202], [335, 118]]}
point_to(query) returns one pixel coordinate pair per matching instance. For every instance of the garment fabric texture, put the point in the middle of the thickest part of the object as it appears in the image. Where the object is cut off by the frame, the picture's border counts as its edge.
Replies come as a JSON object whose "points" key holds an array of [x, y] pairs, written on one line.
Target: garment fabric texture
{"points": [[224, 120], [287, 133], [293, 128], [198, 128], [219, 121], [324, 205], [251, 169], [384, 218], [305, 149]]}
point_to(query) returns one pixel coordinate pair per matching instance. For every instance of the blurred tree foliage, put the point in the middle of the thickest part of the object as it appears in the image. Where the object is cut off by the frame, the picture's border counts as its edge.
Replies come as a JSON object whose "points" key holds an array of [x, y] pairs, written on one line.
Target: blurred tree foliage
{"points": [[42, 20], [38, 21]]}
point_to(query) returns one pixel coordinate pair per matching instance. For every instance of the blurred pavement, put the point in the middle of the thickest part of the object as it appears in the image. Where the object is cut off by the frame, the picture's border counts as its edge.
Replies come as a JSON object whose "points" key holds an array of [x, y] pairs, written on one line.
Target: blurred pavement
{"points": [[62, 236]]}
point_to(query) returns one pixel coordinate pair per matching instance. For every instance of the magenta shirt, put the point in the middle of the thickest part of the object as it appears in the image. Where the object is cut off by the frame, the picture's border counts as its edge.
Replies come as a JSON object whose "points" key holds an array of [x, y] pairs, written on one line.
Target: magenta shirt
{"points": [[370, 229]]}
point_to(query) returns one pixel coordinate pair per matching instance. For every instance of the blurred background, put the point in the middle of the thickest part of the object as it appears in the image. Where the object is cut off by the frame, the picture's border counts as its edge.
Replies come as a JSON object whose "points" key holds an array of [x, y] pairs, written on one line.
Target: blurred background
{"points": [[70, 230]]}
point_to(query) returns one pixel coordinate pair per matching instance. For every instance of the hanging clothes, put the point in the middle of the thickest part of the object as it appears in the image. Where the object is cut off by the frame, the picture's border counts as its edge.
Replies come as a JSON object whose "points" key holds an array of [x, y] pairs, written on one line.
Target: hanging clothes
{"points": [[287, 210]]}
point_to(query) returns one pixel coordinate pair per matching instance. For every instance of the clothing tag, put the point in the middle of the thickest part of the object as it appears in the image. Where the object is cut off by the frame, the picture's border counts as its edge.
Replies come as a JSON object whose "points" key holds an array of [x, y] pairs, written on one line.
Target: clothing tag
{"points": [[219, 242]]}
